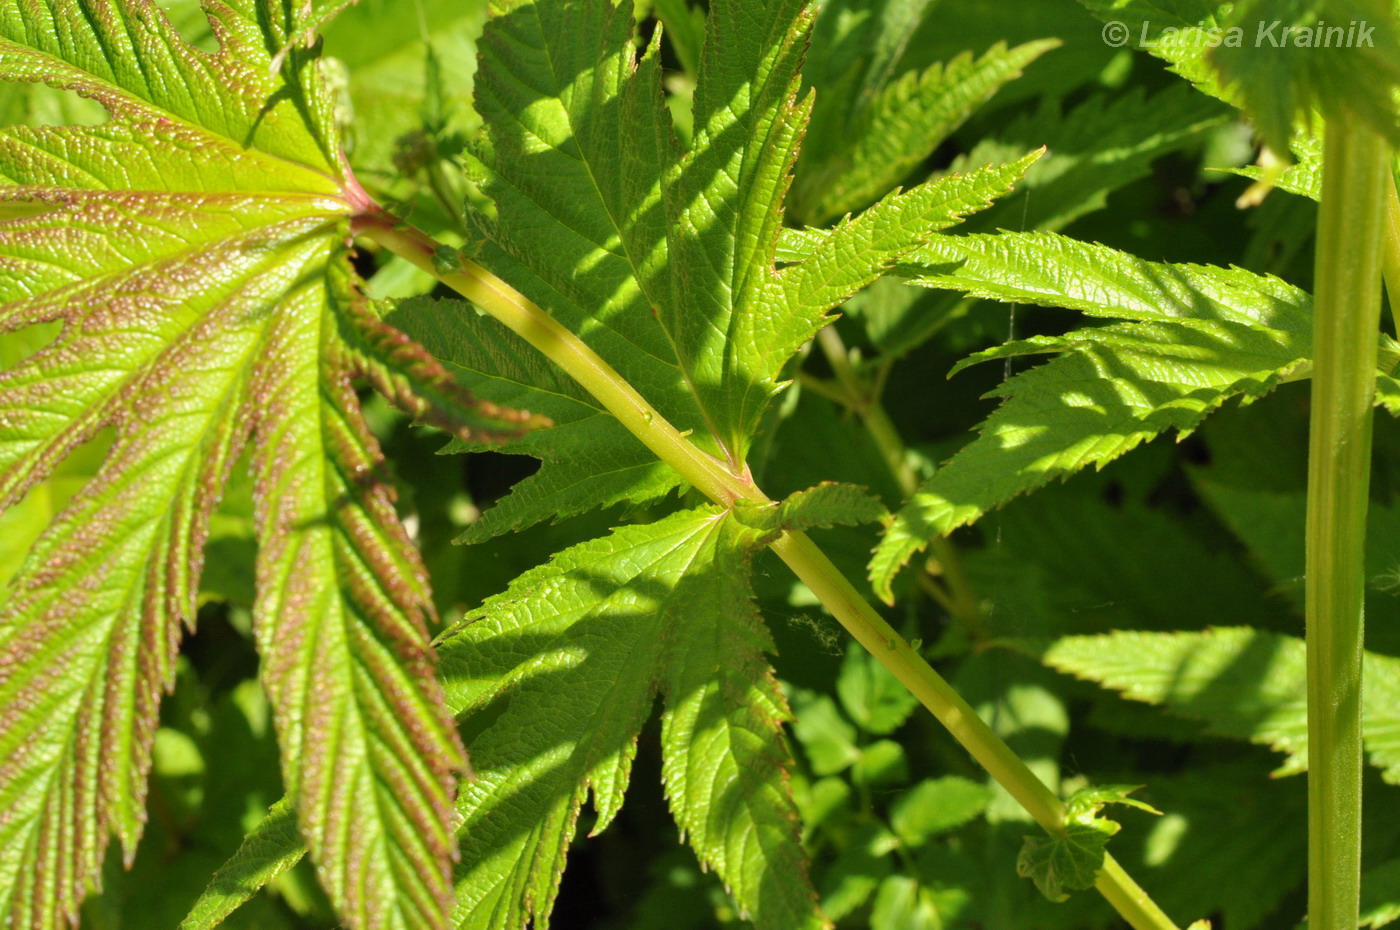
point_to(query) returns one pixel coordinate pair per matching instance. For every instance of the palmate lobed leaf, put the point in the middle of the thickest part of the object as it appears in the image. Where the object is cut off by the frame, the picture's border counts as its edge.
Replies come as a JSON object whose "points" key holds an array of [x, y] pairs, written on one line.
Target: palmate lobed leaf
{"points": [[1071, 862], [193, 250], [665, 259], [575, 652]]}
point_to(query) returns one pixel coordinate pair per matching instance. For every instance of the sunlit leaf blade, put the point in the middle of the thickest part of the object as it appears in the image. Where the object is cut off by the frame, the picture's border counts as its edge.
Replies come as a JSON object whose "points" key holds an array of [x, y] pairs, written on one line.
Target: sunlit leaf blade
{"points": [[1198, 337], [725, 204], [572, 153], [725, 758], [274, 846], [370, 754], [192, 250], [1244, 683], [574, 654], [87, 661], [830, 264], [665, 258], [1057, 271]]}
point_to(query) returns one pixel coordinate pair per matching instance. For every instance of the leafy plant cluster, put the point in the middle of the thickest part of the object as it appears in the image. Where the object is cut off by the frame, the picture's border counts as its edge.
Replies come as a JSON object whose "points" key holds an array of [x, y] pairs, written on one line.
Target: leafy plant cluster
{"points": [[410, 413]]}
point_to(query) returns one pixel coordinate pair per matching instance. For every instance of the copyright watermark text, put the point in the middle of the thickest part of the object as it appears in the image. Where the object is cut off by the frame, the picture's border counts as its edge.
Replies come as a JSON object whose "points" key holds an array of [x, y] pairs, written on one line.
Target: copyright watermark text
{"points": [[1274, 34]]}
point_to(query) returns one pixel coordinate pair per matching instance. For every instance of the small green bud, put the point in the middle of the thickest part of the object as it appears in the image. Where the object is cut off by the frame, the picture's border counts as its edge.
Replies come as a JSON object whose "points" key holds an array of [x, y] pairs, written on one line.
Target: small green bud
{"points": [[447, 260]]}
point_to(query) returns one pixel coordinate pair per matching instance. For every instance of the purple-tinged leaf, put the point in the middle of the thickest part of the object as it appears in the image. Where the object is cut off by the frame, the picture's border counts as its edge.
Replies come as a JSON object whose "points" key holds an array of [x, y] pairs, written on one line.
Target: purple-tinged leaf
{"points": [[192, 251]]}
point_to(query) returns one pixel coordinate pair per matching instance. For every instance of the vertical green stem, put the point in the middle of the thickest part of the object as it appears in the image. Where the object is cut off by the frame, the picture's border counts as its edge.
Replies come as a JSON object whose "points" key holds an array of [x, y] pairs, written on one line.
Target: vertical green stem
{"points": [[808, 562], [1351, 225]]}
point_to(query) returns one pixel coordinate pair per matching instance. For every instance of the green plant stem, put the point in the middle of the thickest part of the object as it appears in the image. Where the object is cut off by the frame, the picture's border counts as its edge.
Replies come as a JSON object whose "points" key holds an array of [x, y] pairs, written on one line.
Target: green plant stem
{"points": [[808, 562], [1390, 255], [703, 471], [1351, 225]]}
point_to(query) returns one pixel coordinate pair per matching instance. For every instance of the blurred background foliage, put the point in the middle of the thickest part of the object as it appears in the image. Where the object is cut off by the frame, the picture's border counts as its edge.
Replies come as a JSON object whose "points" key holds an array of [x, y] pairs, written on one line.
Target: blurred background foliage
{"points": [[904, 831]]}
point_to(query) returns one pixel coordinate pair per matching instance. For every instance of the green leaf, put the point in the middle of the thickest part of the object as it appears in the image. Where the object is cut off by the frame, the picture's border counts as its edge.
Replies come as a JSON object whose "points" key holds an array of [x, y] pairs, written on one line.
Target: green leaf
{"points": [[1256, 484], [1388, 394], [1057, 271], [305, 20], [1304, 176], [574, 654], [844, 259], [685, 27], [857, 45], [881, 765], [1199, 336], [901, 904], [1244, 683], [1176, 31], [663, 258], [857, 871], [1380, 895], [1061, 864], [826, 505], [37, 105], [22, 523], [192, 247], [894, 128], [1101, 145], [828, 739], [936, 805], [1224, 819], [409, 78], [273, 847], [1086, 803], [871, 695]]}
